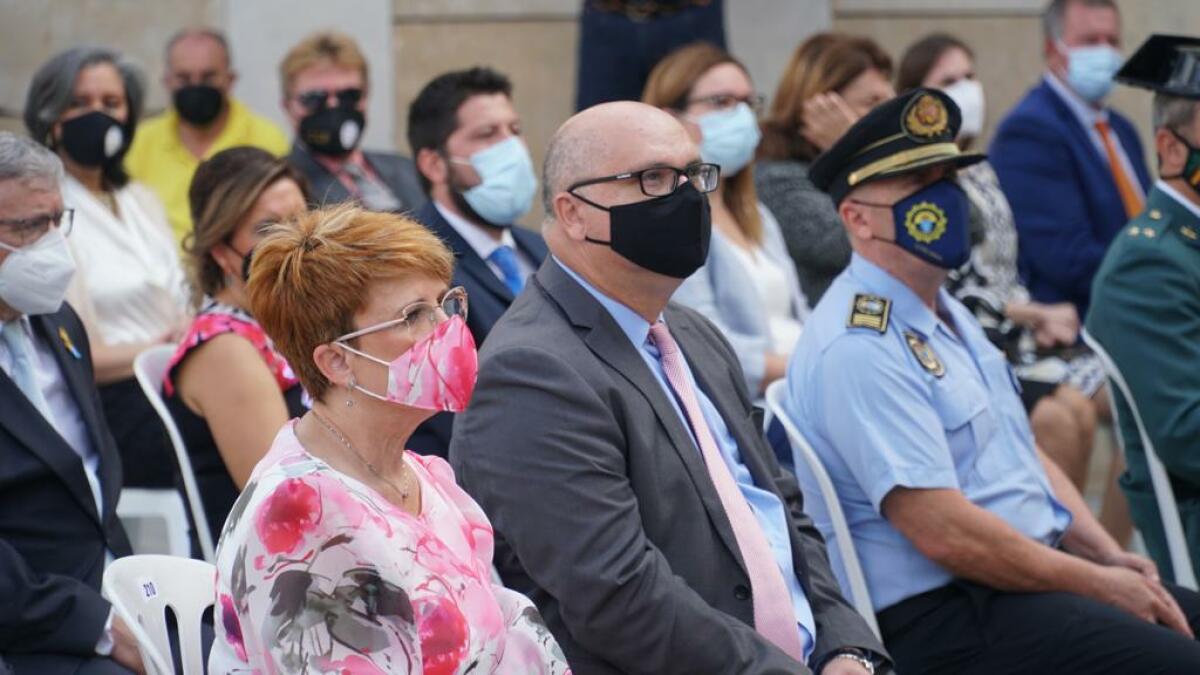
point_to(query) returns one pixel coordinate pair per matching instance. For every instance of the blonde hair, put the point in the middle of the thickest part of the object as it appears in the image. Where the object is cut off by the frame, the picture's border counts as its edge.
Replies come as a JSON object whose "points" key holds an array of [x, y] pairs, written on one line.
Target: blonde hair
{"points": [[327, 46], [669, 86], [312, 274]]}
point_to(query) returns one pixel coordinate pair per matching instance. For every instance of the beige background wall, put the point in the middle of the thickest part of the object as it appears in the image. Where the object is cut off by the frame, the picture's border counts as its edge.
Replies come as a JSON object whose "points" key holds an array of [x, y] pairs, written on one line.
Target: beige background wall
{"points": [[535, 41]]}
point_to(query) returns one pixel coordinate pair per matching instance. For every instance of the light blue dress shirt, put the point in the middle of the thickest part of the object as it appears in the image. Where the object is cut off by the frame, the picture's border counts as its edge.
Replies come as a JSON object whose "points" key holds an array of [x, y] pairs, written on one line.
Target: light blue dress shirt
{"points": [[879, 420], [767, 507]]}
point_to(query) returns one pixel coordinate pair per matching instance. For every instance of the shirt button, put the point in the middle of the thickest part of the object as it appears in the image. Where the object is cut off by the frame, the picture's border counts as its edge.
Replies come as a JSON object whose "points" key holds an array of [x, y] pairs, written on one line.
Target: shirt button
{"points": [[741, 592]]}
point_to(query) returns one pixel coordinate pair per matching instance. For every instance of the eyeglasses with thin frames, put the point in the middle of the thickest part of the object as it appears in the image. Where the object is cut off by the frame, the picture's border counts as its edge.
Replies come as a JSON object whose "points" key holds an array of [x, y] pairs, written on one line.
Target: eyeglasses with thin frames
{"points": [[21, 232], [418, 319]]}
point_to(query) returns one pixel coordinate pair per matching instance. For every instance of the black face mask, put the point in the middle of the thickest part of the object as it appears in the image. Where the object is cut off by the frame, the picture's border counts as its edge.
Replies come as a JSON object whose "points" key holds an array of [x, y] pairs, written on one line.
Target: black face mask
{"points": [[668, 235], [93, 139], [247, 258], [332, 131], [198, 104]]}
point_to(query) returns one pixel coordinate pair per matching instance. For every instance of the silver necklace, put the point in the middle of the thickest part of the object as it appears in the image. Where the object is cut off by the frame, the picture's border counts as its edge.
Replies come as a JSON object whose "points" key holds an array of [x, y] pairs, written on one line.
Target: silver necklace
{"points": [[402, 491]]}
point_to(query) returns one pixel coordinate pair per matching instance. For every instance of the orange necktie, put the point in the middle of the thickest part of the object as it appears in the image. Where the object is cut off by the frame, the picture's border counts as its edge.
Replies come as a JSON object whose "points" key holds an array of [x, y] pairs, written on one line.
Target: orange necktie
{"points": [[1129, 194]]}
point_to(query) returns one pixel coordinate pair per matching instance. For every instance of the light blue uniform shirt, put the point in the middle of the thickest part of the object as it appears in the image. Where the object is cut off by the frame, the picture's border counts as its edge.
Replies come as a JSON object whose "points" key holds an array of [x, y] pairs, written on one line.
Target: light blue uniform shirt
{"points": [[879, 420], [767, 507]]}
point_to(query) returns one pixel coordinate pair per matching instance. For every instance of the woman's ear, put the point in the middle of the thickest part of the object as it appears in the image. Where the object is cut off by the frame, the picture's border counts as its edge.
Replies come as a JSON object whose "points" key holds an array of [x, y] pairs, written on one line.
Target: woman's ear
{"points": [[229, 260], [332, 362]]}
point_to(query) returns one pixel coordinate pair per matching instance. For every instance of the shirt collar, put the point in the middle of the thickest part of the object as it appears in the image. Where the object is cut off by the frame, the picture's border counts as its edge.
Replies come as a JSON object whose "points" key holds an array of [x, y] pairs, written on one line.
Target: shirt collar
{"points": [[1174, 194], [906, 306], [1085, 113], [631, 323], [479, 240]]}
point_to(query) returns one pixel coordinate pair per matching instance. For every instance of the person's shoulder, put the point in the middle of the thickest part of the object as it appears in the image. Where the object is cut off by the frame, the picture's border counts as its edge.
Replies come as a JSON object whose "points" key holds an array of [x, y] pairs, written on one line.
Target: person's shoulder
{"points": [[151, 131], [389, 158], [263, 132]]}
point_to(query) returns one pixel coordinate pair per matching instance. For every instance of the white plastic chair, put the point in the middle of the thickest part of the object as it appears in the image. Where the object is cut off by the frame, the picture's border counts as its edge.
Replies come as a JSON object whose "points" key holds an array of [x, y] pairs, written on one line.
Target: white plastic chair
{"points": [[1168, 509], [141, 587], [149, 367], [143, 504], [807, 460]]}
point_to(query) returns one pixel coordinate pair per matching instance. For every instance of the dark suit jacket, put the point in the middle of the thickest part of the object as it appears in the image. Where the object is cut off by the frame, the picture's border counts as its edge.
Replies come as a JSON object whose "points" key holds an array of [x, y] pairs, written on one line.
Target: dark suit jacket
{"points": [[604, 512], [488, 299], [1063, 195], [52, 541], [396, 171]]}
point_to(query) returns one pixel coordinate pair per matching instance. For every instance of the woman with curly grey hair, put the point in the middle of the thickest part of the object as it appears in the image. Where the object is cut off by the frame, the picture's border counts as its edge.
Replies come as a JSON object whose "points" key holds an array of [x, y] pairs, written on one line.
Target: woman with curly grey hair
{"points": [[84, 104]]}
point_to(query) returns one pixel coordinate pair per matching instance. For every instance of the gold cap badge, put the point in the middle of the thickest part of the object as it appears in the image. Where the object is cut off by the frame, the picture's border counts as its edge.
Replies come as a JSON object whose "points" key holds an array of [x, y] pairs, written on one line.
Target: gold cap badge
{"points": [[926, 117]]}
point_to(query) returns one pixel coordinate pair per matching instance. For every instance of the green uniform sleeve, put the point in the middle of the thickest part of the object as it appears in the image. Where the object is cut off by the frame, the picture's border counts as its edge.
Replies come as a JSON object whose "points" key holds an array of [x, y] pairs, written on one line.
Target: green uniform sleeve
{"points": [[1146, 313]]}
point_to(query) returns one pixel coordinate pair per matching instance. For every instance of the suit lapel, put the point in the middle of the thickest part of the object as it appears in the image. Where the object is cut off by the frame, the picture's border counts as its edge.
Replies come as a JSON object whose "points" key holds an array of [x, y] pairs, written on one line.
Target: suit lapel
{"points": [[469, 262], [607, 341], [31, 428], [325, 188], [82, 388]]}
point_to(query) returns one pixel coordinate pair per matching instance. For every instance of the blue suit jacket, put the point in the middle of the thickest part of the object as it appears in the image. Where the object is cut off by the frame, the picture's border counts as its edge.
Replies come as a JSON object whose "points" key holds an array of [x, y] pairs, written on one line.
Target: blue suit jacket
{"points": [[487, 299], [1064, 199]]}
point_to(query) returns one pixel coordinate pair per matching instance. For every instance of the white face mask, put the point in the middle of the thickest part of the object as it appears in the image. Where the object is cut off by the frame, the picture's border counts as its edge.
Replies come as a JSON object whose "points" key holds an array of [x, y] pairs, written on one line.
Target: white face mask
{"points": [[34, 278], [968, 96]]}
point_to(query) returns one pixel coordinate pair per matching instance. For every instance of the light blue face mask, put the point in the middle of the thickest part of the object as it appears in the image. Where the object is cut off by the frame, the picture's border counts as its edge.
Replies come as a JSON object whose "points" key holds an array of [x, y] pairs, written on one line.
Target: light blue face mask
{"points": [[1090, 70], [508, 182], [729, 138]]}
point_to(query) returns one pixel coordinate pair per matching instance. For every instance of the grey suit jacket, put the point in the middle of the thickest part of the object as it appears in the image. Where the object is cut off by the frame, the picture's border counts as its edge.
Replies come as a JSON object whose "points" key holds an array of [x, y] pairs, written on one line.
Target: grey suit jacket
{"points": [[604, 512], [396, 171]]}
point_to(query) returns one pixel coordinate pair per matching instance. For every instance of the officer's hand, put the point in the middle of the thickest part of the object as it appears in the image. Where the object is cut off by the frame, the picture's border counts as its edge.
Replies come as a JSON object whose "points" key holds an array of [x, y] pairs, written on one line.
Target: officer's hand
{"points": [[1140, 564], [826, 117], [1141, 597]]}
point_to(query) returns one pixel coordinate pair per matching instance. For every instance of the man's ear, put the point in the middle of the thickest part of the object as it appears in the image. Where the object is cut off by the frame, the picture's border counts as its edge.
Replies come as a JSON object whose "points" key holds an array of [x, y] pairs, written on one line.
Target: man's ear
{"points": [[568, 211], [855, 220], [1172, 155], [432, 165]]}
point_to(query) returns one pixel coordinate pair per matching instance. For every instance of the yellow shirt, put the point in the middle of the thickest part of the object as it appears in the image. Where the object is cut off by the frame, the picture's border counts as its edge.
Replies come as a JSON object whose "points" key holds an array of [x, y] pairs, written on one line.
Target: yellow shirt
{"points": [[159, 159]]}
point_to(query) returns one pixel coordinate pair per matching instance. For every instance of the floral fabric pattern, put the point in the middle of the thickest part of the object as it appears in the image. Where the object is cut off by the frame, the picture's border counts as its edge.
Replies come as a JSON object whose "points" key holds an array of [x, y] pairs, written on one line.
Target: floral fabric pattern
{"points": [[217, 319], [318, 573]]}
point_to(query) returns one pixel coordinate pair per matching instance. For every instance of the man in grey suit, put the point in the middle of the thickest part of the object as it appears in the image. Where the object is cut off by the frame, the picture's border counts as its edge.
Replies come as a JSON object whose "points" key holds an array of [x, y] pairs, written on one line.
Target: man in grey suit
{"points": [[649, 543]]}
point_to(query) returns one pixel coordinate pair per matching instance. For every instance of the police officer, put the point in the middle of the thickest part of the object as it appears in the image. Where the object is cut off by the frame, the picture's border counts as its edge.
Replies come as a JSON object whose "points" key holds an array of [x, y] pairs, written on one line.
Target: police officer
{"points": [[1146, 297], [979, 553]]}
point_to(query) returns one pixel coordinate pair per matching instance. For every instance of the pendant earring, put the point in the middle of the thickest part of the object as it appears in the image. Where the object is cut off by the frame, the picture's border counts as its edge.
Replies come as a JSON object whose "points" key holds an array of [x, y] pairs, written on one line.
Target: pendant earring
{"points": [[349, 391]]}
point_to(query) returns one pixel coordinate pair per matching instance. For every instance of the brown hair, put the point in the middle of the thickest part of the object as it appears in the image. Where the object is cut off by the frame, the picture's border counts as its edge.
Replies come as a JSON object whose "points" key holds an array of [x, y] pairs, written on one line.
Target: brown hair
{"points": [[670, 85], [222, 192], [337, 48], [922, 56], [823, 63], [311, 275]]}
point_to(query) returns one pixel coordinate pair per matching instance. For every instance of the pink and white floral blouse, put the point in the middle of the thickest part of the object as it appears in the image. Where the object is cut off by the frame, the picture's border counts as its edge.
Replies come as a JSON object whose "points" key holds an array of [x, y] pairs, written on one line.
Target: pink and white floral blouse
{"points": [[318, 573]]}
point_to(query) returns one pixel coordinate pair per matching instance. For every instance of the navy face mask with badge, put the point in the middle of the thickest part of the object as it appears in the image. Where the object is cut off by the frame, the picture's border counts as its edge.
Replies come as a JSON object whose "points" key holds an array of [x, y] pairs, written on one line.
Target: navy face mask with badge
{"points": [[933, 224]]}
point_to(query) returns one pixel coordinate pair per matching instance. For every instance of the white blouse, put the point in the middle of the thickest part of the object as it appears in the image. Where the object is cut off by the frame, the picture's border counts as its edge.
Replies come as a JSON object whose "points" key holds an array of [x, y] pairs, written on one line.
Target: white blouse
{"points": [[129, 285], [774, 294]]}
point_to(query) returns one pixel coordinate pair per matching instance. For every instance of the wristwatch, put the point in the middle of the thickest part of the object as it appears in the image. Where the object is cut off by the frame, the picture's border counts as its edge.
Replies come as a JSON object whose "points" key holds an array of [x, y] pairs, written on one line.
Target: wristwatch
{"points": [[856, 656]]}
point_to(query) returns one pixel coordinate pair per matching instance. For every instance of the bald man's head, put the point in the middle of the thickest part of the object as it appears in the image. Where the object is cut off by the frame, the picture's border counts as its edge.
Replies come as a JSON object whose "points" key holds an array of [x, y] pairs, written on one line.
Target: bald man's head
{"points": [[607, 139]]}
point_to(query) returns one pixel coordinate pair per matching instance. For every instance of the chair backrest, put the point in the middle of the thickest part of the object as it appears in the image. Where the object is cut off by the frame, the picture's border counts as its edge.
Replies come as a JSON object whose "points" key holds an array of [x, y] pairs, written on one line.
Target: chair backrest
{"points": [[142, 587], [1164, 495], [149, 367], [807, 460], [162, 504]]}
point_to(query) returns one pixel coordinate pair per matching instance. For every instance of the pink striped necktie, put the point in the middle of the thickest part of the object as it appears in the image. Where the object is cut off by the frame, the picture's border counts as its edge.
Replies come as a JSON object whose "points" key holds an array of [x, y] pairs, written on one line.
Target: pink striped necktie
{"points": [[774, 616]]}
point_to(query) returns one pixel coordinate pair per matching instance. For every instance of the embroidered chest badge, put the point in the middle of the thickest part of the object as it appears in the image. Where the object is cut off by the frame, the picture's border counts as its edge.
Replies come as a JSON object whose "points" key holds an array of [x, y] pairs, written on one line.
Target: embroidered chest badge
{"points": [[925, 354]]}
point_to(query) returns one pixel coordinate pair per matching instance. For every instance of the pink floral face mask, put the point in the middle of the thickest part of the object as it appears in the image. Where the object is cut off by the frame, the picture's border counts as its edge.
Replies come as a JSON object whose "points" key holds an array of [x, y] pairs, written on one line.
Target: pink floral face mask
{"points": [[437, 373]]}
